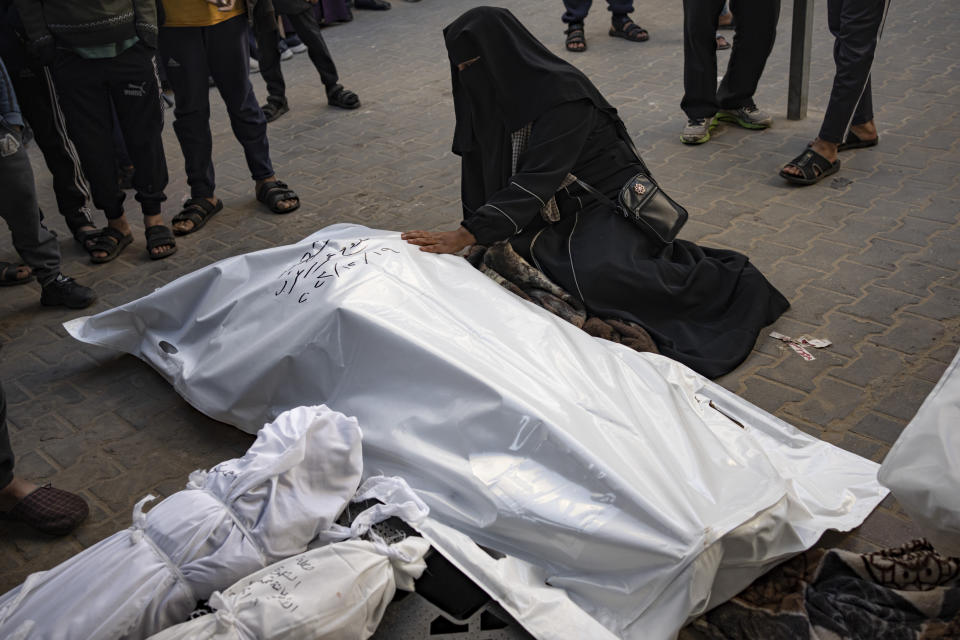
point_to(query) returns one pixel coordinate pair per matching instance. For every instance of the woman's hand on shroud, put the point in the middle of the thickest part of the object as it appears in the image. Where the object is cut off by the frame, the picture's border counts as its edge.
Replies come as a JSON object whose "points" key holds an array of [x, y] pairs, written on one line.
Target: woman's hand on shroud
{"points": [[440, 241]]}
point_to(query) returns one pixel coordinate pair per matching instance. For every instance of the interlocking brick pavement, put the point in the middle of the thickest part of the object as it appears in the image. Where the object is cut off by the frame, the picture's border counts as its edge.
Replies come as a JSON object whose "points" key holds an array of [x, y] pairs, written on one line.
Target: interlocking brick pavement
{"points": [[869, 258]]}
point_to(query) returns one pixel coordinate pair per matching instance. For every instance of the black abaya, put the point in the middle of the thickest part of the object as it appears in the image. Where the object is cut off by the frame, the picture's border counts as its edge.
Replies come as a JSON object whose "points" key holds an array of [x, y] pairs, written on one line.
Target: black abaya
{"points": [[703, 307]]}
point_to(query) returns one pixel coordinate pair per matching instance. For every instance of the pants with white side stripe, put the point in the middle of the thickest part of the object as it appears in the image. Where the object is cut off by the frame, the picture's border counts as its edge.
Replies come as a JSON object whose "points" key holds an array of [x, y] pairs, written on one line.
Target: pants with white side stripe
{"points": [[856, 25]]}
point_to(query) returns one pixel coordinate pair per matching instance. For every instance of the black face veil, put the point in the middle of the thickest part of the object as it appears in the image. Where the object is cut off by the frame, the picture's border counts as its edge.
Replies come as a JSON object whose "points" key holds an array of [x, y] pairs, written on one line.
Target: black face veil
{"points": [[515, 80]]}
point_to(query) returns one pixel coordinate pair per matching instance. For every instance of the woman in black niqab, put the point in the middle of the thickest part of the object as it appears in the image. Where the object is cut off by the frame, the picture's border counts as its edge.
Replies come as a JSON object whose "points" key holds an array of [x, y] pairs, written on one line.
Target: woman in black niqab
{"points": [[525, 121]]}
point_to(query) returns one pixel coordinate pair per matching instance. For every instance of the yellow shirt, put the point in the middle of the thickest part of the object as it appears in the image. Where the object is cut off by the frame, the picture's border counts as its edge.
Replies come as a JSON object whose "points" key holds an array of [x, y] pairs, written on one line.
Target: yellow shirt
{"points": [[198, 13]]}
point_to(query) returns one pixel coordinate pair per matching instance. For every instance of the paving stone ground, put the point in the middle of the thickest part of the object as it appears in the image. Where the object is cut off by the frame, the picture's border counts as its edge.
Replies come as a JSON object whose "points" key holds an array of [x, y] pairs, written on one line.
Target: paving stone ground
{"points": [[868, 259]]}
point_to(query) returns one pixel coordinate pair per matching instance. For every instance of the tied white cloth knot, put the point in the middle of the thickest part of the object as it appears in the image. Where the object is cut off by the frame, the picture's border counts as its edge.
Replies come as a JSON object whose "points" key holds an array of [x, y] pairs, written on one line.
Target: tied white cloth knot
{"points": [[398, 500], [226, 608], [139, 519]]}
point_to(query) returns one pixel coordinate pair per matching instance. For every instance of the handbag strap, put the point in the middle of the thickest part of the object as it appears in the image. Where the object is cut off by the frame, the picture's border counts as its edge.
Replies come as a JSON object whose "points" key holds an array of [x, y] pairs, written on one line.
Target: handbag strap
{"points": [[597, 194], [643, 167]]}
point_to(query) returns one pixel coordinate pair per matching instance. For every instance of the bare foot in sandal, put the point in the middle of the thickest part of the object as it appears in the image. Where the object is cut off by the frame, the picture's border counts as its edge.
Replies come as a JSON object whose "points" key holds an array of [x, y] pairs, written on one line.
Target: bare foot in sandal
{"points": [[111, 240], [826, 149], [160, 242], [13, 274], [195, 213], [278, 197], [576, 40]]}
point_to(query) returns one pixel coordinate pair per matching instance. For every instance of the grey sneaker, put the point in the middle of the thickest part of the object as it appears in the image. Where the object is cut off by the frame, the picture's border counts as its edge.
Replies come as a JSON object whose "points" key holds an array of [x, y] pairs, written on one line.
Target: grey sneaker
{"points": [[749, 117], [697, 131]]}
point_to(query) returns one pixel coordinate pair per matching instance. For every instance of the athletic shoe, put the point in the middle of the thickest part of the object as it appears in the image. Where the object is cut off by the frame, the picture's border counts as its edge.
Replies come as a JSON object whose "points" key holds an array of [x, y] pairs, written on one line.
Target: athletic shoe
{"points": [[748, 117], [298, 48], [254, 65], [697, 131], [66, 292]]}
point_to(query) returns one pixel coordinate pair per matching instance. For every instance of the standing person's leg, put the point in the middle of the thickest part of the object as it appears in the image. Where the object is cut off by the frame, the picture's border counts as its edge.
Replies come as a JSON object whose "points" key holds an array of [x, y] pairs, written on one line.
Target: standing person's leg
{"points": [[309, 31], [856, 26], [575, 12], [85, 98], [268, 38], [37, 99], [184, 49], [848, 121], [35, 243], [699, 101], [755, 34], [125, 168], [135, 90], [19, 208], [228, 65]]}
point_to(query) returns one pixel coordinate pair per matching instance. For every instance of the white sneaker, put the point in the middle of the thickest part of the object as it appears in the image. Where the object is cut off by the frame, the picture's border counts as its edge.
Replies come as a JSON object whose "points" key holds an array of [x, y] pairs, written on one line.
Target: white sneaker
{"points": [[286, 54], [298, 48], [254, 65]]}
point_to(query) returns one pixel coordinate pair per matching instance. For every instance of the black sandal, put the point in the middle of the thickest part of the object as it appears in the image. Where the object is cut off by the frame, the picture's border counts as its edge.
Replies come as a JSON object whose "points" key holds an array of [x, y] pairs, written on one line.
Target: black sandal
{"points": [[854, 141], [813, 167], [81, 218], [631, 31], [337, 96], [575, 36], [8, 274], [85, 237], [274, 192], [160, 236], [198, 211], [109, 241], [272, 111]]}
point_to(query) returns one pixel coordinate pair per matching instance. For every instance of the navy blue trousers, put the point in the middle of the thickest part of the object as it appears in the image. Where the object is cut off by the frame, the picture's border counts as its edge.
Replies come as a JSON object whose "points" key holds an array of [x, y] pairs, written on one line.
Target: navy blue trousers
{"points": [[220, 51], [576, 10]]}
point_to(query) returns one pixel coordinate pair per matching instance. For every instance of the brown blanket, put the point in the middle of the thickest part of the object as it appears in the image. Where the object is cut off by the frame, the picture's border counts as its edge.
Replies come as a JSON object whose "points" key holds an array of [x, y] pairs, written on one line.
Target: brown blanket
{"points": [[502, 264], [909, 593]]}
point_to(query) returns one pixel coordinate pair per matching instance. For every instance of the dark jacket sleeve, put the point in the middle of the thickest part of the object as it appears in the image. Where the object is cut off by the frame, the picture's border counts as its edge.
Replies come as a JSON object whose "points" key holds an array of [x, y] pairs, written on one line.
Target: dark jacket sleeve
{"points": [[146, 21], [31, 12], [556, 140]]}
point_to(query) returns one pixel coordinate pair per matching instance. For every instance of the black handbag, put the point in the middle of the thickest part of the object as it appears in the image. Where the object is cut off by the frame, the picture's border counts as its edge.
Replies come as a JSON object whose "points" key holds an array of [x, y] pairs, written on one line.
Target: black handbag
{"points": [[645, 204]]}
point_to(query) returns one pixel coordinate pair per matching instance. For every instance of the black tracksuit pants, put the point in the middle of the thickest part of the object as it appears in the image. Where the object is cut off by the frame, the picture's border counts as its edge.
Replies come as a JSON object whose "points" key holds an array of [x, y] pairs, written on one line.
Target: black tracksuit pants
{"points": [[756, 31], [856, 27], [39, 106], [222, 51], [86, 89], [308, 30]]}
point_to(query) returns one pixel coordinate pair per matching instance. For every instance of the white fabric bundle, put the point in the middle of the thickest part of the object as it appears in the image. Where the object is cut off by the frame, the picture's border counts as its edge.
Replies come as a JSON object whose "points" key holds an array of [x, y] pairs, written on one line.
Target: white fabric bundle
{"points": [[335, 592], [640, 490], [923, 467], [237, 518]]}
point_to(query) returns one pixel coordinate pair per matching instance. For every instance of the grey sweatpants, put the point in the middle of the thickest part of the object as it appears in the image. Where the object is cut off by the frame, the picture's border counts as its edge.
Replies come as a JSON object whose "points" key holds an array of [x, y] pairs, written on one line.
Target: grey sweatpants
{"points": [[35, 243]]}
